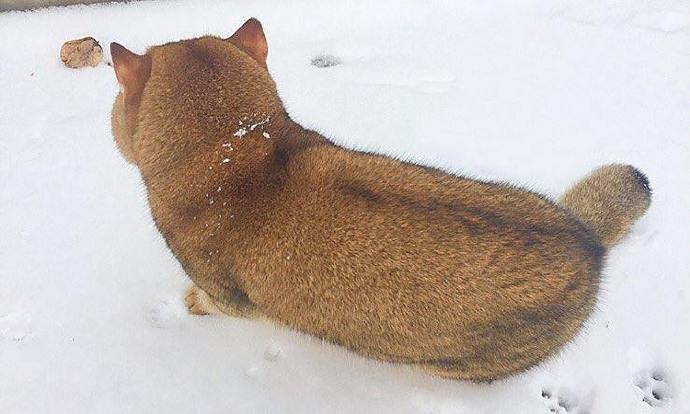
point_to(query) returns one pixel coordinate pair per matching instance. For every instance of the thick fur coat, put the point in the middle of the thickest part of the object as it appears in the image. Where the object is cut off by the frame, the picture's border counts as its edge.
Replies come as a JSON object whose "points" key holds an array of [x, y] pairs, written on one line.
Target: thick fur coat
{"points": [[396, 261]]}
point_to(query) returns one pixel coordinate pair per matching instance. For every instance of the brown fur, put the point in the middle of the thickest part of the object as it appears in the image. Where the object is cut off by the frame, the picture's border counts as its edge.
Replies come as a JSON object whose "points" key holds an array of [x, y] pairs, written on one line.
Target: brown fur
{"points": [[609, 200], [399, 262]]}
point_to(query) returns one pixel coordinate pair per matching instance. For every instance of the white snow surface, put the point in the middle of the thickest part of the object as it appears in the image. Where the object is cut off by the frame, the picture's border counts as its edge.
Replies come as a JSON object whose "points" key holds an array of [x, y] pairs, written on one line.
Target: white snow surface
{"points": [[534, 92]]}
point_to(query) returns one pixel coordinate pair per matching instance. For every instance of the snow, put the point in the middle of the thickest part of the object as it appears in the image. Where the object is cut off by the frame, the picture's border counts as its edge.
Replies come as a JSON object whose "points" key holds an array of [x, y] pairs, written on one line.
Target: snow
{"points": [[240, 132], [535, 92]]}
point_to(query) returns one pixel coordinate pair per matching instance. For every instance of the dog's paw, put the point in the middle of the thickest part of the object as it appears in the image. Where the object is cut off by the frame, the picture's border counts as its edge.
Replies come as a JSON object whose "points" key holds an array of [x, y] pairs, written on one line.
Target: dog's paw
{"points": [[198, 302]]}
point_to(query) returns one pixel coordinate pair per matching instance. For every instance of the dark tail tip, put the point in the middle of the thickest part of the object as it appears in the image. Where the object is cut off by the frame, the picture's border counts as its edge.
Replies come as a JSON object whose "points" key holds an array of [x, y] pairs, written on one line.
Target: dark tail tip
{"points": [[642, 180]]}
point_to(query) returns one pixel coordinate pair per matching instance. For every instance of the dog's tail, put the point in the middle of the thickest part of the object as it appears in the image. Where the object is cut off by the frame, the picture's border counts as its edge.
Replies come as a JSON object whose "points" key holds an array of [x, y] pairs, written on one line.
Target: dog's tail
{"points": [[609, 200]]}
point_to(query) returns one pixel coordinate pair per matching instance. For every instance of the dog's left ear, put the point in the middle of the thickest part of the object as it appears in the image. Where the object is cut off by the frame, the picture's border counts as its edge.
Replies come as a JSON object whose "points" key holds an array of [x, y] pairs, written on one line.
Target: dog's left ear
{"points": [[251, 39], [132, 70]]}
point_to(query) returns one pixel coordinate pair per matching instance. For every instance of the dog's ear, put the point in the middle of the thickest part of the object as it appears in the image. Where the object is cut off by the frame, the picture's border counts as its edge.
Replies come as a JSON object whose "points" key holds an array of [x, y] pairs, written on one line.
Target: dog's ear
{"points": [[251, 39], [132, 70]]}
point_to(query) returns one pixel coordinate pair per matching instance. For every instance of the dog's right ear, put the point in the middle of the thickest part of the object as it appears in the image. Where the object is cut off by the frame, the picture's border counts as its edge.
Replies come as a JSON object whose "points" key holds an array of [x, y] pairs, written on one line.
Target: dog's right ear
{"points": [[132, 70], [252, 40]]}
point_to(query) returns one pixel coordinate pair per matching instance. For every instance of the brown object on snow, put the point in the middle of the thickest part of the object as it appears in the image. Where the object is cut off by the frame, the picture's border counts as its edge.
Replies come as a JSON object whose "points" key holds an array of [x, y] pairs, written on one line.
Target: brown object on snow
{"points": [[81, 52], [405, 263]]}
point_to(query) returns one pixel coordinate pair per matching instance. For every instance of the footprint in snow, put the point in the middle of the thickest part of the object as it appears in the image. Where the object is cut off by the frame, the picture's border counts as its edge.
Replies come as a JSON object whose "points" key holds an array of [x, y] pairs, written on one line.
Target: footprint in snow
{"points": [[167, 312], [562, 401], [273, 353], [325, 61], [652, 387], [15, 326]]}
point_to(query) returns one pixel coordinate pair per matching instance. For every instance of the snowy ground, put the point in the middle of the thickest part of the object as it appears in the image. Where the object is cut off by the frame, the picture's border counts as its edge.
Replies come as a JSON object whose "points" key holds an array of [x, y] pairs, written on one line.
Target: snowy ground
{"points": [[537, 93]]}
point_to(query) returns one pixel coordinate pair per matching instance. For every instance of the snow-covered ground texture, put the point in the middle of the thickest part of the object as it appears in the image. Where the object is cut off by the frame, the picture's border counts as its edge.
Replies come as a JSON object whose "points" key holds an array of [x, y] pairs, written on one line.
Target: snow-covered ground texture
{"points": [[536, 92]]}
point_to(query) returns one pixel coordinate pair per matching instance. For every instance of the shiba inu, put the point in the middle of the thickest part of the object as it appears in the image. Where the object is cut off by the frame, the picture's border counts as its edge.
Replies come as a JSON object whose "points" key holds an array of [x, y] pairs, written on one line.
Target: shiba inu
{"points": [[396, 261]]}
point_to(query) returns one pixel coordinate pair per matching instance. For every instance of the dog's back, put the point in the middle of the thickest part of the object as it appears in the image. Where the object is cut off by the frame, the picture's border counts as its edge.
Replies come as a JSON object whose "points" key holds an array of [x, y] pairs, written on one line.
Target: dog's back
{"points": [[399, 262]]}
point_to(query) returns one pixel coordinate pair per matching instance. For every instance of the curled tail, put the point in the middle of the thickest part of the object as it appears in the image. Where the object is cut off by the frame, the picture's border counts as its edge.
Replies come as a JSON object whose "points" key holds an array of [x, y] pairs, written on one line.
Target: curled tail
{"points": [[609, 200]]}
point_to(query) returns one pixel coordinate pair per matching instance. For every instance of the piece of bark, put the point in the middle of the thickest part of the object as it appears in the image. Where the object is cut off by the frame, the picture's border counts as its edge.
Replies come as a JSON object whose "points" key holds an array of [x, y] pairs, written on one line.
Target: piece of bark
{"points": [[81, 52]]}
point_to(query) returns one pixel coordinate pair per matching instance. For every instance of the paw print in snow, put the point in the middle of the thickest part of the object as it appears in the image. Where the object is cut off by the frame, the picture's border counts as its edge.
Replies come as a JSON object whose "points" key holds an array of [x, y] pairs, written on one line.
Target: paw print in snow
{"points": [[273, 353], [325, 61], [561, 402], [652, 387], [14, 326], [166, 312]]}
